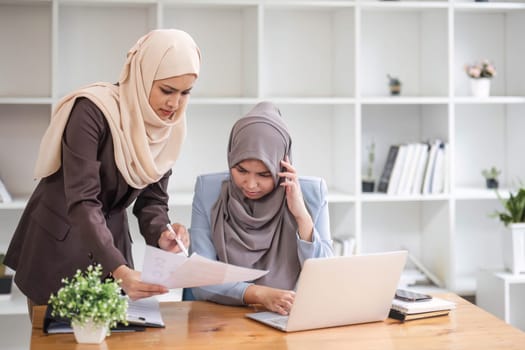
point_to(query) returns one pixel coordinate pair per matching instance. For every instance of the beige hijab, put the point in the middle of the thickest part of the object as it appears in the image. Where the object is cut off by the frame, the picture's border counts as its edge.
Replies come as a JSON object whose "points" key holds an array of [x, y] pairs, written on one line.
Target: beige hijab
{"points": [[258, 233], [146, 146]]}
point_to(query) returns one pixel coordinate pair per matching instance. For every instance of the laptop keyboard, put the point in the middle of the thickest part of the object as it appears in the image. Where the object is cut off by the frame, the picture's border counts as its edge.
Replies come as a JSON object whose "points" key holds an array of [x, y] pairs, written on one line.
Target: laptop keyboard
{"points": [[279, 321]]}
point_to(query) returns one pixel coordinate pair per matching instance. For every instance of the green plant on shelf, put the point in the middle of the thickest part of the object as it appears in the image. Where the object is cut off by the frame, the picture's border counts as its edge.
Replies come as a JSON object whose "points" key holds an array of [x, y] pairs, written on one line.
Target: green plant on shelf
{"points": [[370, 161], [513, 208], [491, 173], [491, 176], [368, 181], [394, 84]]}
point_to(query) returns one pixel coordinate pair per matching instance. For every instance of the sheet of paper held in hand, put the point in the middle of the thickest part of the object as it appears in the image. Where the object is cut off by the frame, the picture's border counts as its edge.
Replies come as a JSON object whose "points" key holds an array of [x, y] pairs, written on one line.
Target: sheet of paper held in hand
{"points": [[177, 271]]}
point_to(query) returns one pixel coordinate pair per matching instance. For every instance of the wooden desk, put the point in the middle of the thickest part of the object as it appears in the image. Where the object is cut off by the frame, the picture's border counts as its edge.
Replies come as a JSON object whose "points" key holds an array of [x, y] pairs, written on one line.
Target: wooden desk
{"points": [[202, 325]]}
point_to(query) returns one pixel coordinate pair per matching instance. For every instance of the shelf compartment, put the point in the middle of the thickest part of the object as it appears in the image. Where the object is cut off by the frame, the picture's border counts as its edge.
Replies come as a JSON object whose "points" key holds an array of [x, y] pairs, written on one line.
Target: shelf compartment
{"points": [[389, 125], [415, 226], [22, 129], [88, 56], [476, 229], [327, 127], [327, 134], [494, 141], [410, 44], [308, 52], [205, 146], [229, 60], [26, 58], [343, 221], [495, 35]]}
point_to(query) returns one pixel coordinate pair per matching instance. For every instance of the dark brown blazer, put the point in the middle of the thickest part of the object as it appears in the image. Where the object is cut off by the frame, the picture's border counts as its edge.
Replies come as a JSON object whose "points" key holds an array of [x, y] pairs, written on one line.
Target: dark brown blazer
{"points": [[77, 216]]}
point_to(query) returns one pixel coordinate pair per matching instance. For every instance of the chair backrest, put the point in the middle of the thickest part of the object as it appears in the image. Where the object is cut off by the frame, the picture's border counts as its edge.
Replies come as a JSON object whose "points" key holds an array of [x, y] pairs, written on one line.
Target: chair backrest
{"points": [[187, 294]]}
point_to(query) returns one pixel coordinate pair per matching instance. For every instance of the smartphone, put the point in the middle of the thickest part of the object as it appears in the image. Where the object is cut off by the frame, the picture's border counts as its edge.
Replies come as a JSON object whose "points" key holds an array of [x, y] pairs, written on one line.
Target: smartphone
{"points": [[407, 295]]}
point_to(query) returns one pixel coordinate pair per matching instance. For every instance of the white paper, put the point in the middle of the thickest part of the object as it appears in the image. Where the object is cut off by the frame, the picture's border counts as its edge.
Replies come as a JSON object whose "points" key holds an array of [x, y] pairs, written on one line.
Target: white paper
{"points": [[177, 271], [145, 312]]}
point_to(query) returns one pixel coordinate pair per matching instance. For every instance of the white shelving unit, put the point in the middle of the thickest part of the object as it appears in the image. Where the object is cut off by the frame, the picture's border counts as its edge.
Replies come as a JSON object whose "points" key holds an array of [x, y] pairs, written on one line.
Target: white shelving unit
{"points": [[501, 293], [325, 64]]}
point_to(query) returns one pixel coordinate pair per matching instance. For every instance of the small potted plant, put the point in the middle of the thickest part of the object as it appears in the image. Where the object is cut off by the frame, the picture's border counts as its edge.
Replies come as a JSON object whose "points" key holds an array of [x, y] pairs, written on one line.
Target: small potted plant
{"points": [[368, 182], [491, 177], [6, 281], [513, 242], [92, 305], [394, 85], [480, 74]]}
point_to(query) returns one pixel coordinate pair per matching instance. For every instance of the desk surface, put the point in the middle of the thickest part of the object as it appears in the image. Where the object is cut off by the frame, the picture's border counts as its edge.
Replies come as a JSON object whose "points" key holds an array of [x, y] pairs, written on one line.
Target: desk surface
{"points": [[202, 325]]}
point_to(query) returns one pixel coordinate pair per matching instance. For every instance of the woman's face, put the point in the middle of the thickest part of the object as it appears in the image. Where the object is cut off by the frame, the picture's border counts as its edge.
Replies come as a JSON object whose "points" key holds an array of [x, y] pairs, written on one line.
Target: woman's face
{"points": [[253, 178], [167, 95]]}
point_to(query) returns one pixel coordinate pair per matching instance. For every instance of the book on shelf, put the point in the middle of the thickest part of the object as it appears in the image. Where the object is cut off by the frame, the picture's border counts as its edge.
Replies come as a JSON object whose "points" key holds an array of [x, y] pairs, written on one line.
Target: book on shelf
{"points": [[401, 316], [384, 180], [5, 196], [438, 178], [411, 307], [415, 168], [408, 165], [399, 164], [430, 169], [420, 168], [412, 169]]}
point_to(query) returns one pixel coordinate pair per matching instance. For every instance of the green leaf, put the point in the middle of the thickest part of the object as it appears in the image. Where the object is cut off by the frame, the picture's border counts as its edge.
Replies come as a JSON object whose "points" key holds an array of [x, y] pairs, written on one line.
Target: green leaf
{"points": [[86, 297]]}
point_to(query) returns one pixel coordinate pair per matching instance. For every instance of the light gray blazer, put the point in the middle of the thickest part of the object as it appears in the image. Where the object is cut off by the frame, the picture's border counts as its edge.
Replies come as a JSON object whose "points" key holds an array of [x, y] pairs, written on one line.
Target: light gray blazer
{"points": [[207, 190]]}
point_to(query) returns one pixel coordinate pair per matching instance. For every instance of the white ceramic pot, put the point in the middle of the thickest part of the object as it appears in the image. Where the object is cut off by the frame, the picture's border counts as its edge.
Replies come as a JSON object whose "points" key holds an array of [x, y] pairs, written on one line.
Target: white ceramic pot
{"points": [[480, 87], [89, 332], [513, 243]]}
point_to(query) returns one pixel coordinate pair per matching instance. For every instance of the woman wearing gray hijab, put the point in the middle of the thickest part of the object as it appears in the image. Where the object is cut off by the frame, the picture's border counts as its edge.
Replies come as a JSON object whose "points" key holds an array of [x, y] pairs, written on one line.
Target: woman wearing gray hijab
{"points": [[260, 214]]}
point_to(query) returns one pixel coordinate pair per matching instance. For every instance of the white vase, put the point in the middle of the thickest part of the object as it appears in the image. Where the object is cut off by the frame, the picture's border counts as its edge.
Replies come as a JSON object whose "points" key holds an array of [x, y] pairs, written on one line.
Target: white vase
{"points": [[89, 332], [513, 243], [480, 87]]}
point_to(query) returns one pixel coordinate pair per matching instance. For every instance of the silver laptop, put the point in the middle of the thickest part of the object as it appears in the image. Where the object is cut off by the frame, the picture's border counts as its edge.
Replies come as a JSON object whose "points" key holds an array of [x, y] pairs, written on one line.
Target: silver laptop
{"points": [[341, 291]]}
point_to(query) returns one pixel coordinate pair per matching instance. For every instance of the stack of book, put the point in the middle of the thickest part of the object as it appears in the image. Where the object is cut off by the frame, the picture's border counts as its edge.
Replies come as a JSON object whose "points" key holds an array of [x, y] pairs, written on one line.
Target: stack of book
{"points": [[415, 168], [413, 310]]}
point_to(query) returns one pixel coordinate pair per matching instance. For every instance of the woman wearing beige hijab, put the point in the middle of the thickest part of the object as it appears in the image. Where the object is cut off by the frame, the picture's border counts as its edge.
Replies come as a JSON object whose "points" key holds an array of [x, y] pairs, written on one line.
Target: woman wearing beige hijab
{"points": [[260, 214], [107, 146]]}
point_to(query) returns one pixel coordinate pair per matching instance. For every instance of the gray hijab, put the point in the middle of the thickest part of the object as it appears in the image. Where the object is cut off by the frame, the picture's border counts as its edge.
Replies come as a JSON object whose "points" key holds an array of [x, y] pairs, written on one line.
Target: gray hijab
{"points": [[258, 233]]}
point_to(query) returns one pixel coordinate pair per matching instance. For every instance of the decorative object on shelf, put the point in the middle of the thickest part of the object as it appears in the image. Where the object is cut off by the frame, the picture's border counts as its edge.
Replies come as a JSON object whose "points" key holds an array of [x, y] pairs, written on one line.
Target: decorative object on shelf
{"points": [[368, 182], [480, 74], [92, 305], [513, 241], [491, 177], [394, 85], [6, 281]]}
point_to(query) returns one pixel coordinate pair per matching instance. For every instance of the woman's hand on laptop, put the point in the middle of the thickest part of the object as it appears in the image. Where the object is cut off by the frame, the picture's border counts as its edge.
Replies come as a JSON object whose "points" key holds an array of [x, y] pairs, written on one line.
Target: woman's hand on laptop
{"points": [[276, 300]]}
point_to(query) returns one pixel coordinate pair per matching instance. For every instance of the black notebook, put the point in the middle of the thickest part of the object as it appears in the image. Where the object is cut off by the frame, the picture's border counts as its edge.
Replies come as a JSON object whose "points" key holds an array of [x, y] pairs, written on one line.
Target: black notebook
{"points": [[401, 316]]}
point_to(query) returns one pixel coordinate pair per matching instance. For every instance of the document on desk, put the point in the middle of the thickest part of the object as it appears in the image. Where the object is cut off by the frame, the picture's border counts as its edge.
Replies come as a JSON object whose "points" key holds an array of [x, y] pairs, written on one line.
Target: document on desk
{"points": [[145, 312], [178, 271]]}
